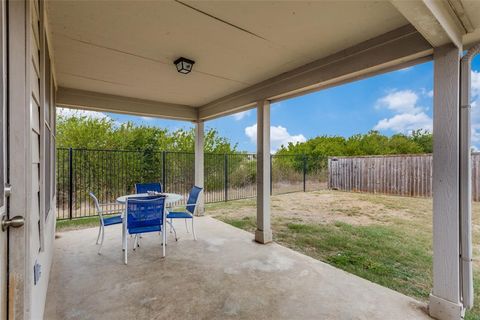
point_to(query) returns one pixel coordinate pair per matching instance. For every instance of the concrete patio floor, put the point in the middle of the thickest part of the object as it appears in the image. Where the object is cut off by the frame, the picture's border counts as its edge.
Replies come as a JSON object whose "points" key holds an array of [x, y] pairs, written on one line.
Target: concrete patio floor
{"points": [[222, 275]]}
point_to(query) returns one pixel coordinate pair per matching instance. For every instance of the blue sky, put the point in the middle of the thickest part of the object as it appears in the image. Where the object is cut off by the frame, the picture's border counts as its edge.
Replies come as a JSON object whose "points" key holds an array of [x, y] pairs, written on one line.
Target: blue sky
{"points": [[394, 102]]}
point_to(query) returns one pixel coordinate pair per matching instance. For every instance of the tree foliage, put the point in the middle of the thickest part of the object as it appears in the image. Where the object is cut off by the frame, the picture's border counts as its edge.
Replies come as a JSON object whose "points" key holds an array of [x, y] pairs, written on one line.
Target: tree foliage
{"points": [[105, 133], [82, 132], [112, 173], [115, 172], [313, 154], [371, 143]]}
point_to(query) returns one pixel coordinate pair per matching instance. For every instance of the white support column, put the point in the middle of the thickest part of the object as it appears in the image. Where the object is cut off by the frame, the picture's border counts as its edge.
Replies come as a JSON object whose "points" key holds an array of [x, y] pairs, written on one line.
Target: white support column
{"points": [[263, 234], [445, 302], [199, 167]]}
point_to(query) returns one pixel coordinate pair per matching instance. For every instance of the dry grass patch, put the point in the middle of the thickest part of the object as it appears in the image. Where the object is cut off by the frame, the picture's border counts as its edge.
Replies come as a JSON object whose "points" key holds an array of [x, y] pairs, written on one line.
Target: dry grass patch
{"points": [[385, 239]]}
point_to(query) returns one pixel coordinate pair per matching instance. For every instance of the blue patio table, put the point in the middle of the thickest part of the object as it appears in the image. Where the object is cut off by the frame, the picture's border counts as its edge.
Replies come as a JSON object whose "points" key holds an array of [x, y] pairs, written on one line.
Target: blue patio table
{"points": [[170, 199]]}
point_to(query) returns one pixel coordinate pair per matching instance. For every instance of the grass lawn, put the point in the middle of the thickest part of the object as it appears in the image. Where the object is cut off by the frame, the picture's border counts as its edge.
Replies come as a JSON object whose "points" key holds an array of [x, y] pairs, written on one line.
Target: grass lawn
{"points": [[80, 223], [385, 239]]}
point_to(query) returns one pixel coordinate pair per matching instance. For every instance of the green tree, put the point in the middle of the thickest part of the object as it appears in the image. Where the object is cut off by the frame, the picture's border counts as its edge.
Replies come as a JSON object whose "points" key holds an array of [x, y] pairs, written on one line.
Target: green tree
{"points": [[82, 132], [142, 162], [402, 144], [85, 132], [424, 139], [371, 143]]}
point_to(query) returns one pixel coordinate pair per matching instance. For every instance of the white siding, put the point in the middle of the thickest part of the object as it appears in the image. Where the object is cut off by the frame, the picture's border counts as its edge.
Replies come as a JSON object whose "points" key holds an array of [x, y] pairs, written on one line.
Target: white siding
{"points": [[42, 223], [35, 116], [35, 152], [35, 56], [35, 125], [35, 83]]}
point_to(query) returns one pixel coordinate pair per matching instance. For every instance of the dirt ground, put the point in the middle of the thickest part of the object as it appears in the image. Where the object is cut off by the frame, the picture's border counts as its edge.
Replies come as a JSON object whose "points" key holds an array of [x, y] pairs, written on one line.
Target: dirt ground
{"points": [[331, 206], [327, 206]]}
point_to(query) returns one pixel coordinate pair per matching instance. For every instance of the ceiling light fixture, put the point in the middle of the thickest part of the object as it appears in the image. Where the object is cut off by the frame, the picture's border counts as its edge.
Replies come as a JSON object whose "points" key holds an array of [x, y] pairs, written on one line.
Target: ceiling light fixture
{"points": [[184, 65]]}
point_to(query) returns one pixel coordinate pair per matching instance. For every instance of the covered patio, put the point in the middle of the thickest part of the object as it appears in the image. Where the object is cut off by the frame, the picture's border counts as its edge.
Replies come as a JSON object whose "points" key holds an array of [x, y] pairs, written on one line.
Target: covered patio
{"points": [[119, 57], [222, 275]]}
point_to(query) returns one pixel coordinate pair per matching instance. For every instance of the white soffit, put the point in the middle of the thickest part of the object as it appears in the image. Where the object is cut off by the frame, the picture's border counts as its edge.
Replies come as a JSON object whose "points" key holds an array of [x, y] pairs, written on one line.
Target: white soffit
{"points": [[127, 48], [472, 13], [444, 21]]}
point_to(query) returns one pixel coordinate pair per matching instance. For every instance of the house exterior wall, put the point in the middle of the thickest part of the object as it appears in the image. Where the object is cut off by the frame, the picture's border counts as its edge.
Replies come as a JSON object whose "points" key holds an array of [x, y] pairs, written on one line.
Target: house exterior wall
{"points": [[32, 146]]}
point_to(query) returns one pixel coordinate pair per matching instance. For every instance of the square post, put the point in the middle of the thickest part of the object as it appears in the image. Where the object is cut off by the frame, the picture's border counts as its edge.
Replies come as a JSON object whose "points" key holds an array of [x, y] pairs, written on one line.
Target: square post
{"points": [[199, 164], [445, 299], [263, 234]]}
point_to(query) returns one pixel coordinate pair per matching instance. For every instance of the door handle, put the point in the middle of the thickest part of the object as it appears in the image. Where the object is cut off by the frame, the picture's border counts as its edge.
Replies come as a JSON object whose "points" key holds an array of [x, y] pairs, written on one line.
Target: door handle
{"points": [[15, 222]]}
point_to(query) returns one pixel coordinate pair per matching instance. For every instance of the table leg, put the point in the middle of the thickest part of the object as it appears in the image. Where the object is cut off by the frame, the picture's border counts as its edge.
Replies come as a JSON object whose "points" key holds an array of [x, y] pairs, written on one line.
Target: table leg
{"points": [[124, 232]]}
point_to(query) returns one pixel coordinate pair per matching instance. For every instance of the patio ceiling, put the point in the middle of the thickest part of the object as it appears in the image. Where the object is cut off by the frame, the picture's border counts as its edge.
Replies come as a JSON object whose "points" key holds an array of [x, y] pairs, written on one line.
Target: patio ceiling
{"points": [[119, 56]]}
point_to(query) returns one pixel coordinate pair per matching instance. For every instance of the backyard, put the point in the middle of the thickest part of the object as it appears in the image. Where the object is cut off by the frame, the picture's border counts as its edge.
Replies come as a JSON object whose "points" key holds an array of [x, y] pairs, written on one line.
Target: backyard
{"points": [[385, 239]]}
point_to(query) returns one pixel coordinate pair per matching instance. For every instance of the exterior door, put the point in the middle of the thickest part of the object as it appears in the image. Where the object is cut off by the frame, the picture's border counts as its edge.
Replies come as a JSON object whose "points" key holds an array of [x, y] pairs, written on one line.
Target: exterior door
{"points": [[3, 206]]}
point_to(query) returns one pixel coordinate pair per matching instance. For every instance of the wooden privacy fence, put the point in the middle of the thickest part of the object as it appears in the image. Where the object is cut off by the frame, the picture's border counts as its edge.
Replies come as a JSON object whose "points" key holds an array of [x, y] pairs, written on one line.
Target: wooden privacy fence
{"points": [[405, 175]]}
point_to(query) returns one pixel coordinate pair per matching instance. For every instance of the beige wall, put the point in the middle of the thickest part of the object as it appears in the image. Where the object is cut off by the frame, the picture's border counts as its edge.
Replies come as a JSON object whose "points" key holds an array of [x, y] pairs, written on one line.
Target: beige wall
{"points": [[41, 221]]}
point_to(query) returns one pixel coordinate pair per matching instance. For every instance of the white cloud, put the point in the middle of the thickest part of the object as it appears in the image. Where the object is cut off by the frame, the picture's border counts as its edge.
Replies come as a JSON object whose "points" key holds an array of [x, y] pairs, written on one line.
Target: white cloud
{"points": [[251, 132], [475, 84], [475, 115], [408, 115], [241, 115], [405, 69], [69, 113], [405, 122], [278, 136], [400, 101]]}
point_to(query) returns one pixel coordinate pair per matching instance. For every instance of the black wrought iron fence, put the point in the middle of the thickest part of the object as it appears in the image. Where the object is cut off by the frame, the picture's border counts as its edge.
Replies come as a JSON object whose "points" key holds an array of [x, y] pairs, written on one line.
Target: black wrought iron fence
{"points": [[112, 173]]}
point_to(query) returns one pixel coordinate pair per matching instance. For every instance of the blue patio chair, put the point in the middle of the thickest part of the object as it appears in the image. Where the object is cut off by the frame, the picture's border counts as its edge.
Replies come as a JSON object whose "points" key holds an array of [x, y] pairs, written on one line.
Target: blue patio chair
{"points": [[145, 187], [105, 222], [146, 214], [189, 212]]}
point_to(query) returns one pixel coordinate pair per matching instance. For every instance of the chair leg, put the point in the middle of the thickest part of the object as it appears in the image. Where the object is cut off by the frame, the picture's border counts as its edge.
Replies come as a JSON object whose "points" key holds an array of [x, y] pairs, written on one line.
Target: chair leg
{"points": [[135, 242], [125, 252], [164, 235], [193, 231], [101, 242], [99, 231], [186, 225], [173, 228], [124, 237]]}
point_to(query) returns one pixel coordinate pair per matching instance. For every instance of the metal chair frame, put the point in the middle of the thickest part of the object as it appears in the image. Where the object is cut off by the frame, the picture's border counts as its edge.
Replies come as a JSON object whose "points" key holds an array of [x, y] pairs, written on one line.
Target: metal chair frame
{"points": [[189, 212], [101, 212], [137, 235]]}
